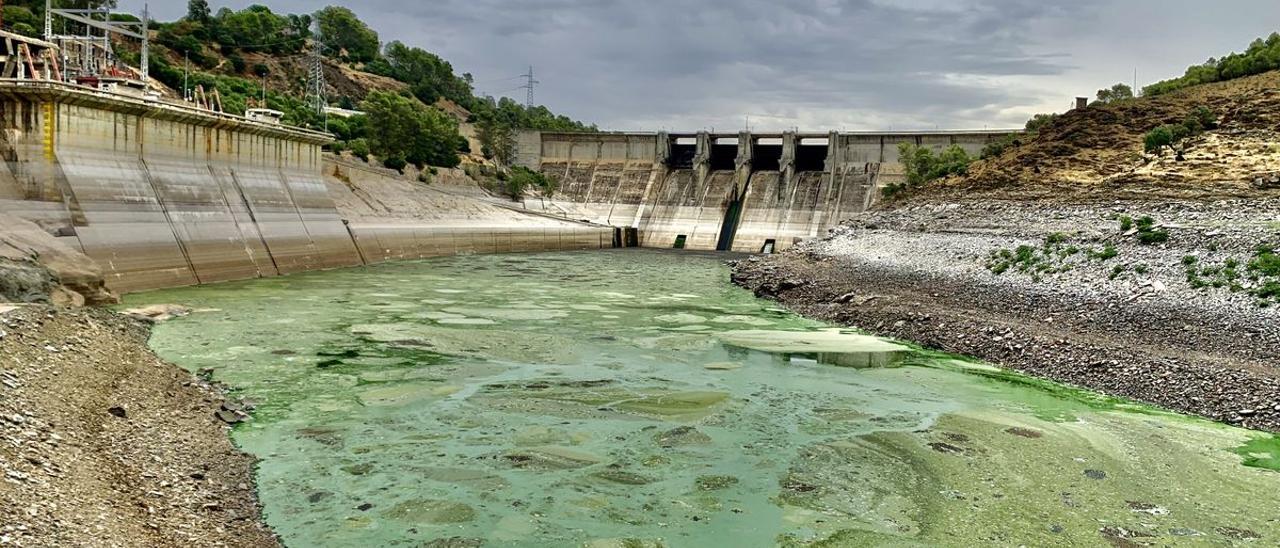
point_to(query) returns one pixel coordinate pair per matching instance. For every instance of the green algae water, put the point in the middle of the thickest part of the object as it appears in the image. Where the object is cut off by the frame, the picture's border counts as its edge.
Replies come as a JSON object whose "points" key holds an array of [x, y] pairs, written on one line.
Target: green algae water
{"points": [[637, 398]]}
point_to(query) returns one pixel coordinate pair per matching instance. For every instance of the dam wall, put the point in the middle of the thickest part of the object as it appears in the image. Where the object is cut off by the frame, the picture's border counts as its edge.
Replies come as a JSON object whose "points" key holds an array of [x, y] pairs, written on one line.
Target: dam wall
{"points": [[390, 218], [162, 195], [742, 192]]}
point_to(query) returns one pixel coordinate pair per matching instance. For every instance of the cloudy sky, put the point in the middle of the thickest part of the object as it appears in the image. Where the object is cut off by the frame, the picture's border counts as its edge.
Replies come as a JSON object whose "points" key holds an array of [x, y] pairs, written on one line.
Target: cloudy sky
{"points": [[813, 64]]}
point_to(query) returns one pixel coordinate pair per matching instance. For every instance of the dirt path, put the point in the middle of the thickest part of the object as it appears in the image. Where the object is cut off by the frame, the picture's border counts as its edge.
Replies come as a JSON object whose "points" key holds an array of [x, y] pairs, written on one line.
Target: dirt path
{"points": [[103, 444]]}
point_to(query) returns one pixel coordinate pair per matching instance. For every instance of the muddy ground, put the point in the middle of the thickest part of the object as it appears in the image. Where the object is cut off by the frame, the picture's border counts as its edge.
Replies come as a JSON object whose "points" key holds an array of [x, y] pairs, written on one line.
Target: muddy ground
{"points": [[1093, 306], [103, 444]]}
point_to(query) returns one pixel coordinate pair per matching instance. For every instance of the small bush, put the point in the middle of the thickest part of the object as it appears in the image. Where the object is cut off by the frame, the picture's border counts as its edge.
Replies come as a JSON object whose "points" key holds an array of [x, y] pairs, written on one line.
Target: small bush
{"points": [[359, 149], [1107, 253], [1152, 237], [1126, 223], [397, 163]]}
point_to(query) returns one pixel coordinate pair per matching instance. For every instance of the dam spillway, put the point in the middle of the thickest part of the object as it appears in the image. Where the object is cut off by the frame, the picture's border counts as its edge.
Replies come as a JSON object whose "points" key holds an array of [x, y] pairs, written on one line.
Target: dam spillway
{"points": [[746, 192]]}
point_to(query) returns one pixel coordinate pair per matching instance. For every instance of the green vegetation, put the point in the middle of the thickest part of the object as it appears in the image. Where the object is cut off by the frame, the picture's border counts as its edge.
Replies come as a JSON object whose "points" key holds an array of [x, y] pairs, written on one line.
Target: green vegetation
{"points": [[521, 178], [1259, 277], [232, 51], [410, 132], [1118, 92], [1147, 231], [1261, 452], [1049, 258], [1262, 56], [1053, 256], [922, 165], [345, 36], [1033, 127], [1174, 136]]}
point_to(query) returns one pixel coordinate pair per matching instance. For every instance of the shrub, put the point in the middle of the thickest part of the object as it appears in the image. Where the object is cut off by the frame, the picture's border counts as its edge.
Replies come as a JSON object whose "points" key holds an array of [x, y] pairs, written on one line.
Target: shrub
{"points": [[922, 165], [1262, 56], [1126, 223], [359, 148], [1118, 92], [1152, 237], [397, 163], [1157, 139]]}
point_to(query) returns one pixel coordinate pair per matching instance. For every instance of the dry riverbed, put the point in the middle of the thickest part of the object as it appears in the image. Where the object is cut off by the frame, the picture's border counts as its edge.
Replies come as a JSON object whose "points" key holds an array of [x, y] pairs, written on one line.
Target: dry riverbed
{"points": [[103, 444], [1173, 310]]}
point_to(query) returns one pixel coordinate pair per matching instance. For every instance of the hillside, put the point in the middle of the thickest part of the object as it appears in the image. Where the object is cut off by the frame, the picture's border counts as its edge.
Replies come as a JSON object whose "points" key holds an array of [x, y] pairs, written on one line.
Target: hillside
{"points": [[1098, 153]]}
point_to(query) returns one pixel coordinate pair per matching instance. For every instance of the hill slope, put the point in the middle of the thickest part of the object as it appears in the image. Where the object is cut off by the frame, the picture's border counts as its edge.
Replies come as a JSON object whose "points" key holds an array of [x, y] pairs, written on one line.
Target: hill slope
{"points": [[1097, 152]]}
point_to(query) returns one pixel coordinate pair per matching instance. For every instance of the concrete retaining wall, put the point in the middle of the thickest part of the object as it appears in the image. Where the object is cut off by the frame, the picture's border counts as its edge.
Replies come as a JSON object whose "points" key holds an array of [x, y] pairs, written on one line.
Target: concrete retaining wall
{"points": [[164, 195], [645, 180]]}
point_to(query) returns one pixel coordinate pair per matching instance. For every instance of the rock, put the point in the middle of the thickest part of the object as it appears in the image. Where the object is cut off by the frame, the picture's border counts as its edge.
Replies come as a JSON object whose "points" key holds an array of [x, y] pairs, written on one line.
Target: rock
{"points": [[682, 436], [1095, 474], [358, 469], [158, 312], [722, 366], [623, 477], [454, 542], [431, 511], [231, 417], [714, 482], [118, 412], [1246, 412]]}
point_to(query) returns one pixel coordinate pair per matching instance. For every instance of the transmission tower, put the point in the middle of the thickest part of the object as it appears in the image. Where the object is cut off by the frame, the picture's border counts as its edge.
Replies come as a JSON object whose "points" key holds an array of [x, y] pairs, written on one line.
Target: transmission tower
{"points": [[315, 82], [528, 87]]}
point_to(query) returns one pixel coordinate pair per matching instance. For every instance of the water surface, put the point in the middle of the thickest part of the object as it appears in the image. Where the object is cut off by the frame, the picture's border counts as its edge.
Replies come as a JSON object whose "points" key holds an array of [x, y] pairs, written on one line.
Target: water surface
{"points": [[636, 398]]}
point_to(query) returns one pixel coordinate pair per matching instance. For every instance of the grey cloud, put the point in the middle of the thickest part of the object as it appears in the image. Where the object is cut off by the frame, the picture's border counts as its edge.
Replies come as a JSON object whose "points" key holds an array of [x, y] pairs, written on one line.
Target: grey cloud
{"points": [[834, 63]]}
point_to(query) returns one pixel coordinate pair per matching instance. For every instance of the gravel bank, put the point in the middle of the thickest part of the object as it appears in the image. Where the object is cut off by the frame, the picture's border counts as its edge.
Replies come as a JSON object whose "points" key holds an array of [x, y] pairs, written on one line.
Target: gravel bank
{"points": [[103, 444], [1129, 322]]}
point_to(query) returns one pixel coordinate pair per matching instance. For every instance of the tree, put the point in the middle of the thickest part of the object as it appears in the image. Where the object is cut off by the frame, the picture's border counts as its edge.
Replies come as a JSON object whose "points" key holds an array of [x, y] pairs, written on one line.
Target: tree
{"points": [[404, 128], [198, 11], [921, 165], [1040, 121], [346, 36], [1118, 92], [428, 76], [497, 141]]}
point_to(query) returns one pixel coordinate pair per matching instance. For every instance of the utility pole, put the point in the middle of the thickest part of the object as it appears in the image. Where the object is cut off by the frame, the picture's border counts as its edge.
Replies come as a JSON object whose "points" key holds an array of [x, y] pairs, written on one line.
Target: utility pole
{"points": [[48, 20], [146, 47], [186, 71], [528, 87]]}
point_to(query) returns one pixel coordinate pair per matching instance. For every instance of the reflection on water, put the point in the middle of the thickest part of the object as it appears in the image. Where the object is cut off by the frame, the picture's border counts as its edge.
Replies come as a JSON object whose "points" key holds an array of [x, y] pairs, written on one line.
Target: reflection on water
{"points": [[637, 398]]}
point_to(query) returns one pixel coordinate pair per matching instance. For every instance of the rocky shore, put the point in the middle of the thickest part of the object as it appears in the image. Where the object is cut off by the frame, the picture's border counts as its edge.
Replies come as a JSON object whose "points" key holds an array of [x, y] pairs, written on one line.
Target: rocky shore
{"points": [[1169, 303], [104, 444]]}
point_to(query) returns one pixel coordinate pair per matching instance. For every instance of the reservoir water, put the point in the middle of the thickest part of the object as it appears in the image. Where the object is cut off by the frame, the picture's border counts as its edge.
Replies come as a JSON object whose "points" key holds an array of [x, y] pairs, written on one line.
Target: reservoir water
{"points": [[637, 398]]}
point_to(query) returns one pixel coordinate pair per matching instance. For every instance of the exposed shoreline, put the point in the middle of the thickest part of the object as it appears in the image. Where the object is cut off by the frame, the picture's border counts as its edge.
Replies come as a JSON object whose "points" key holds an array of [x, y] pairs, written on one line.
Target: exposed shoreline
{"points": [[104, 444], [921, 274]]}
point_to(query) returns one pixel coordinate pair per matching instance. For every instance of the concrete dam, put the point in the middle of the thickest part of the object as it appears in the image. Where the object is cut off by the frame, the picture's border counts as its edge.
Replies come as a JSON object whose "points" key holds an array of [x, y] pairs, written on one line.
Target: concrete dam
{"points": [[747, 192], [161, 194]]}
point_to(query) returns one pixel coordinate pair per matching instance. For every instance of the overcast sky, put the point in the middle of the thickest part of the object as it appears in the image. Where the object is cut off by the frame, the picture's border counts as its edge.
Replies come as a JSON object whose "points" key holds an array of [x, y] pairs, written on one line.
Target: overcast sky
{"points": [[813, 64]]}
